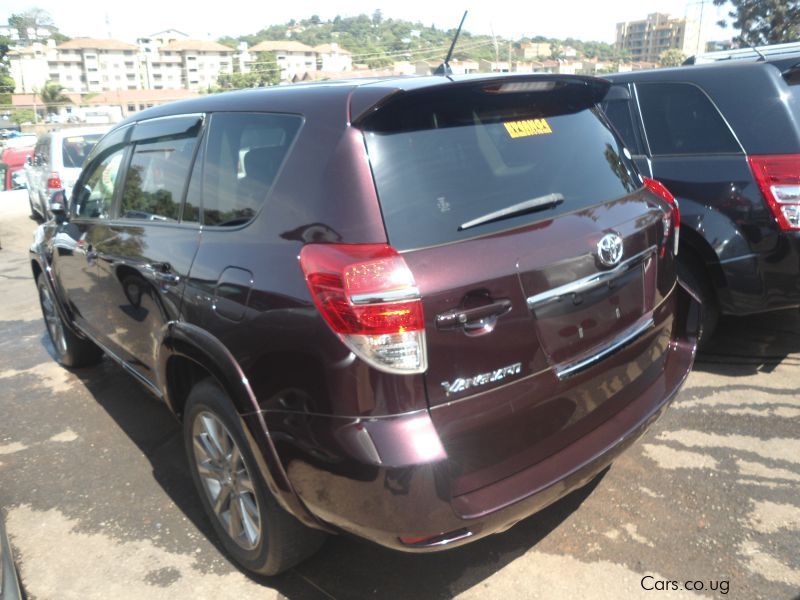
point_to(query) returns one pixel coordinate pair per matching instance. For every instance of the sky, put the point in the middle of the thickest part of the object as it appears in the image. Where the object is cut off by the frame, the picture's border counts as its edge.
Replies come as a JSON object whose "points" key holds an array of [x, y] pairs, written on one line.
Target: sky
{"points": [[581, 19]]}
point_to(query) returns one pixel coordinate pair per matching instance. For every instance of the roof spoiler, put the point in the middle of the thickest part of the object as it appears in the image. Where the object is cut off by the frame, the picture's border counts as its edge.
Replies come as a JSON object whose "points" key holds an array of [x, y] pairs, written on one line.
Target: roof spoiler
{"points": [[581, 91]]}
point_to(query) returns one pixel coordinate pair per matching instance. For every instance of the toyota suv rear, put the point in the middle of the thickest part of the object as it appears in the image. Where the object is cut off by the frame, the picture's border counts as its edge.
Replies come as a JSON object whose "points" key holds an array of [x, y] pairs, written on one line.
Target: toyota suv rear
{"points": [[413, 310]]}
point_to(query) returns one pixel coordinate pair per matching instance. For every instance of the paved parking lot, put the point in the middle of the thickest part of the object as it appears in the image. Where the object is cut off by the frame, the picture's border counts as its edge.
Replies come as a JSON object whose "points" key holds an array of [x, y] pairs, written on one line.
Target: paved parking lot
{"points": [[99, 503]]}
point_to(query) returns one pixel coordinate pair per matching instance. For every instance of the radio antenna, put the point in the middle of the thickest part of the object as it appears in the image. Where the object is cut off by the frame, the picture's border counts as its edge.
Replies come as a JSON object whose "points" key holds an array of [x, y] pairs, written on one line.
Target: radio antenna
{"points": [[444, 68]]}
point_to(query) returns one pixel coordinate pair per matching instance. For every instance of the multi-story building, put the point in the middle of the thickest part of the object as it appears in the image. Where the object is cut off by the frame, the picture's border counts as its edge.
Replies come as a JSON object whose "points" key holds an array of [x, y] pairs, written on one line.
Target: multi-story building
{"points": [[534, 50], [645, 40], [185, 63], [82, 65], [294, 59]]}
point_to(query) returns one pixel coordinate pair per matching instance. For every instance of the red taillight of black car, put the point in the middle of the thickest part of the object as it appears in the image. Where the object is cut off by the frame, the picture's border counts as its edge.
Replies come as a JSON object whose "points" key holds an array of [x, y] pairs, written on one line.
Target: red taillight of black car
{"points": [[367, 295], [662, 192], [778, 177]]}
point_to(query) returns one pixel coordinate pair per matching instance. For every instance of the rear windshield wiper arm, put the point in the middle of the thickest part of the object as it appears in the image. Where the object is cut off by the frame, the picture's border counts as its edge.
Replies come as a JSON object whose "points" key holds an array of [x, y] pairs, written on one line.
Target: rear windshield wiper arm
{"points": [[526, 206]]}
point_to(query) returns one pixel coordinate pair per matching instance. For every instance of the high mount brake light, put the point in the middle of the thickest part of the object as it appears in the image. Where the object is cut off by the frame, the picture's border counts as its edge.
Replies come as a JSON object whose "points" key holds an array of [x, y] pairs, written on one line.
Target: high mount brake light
{"points": [[778, 177], [366, 294], [660, 190]]}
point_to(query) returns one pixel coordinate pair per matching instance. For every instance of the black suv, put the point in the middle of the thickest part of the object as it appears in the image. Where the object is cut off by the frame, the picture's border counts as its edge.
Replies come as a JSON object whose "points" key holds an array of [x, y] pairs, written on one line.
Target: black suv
{"points": [[724, 138]]}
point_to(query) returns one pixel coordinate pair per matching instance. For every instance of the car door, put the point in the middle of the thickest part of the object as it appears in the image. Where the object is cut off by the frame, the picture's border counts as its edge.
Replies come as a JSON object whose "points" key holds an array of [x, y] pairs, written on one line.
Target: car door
{"points": [[38, 178], [145, 259], [72, 246]]}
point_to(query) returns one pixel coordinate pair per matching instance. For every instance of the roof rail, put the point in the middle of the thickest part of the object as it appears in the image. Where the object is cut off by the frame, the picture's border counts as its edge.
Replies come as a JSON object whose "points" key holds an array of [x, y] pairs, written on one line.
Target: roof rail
{"points": [[753, 53]]}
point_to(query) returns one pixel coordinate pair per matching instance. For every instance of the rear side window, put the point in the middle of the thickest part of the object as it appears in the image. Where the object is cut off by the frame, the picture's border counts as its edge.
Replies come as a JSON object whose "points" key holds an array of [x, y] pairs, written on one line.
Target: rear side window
{"points": [[448, 159], [75, 149], [156, 178], [242, 159], [680, 119]]}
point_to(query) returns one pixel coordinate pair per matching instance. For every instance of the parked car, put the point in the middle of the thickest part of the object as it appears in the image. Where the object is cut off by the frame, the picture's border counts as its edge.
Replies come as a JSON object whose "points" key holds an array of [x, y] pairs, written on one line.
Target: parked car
{"points": [[57, 160], [413, 310], [725, 139], [12, 167]]}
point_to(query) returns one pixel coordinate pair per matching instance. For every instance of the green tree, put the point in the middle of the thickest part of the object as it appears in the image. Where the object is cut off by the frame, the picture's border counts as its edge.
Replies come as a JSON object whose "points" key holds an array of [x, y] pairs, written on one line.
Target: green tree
{"points": [[763, 21], [22, 115], [671, 58], [52, 96]]}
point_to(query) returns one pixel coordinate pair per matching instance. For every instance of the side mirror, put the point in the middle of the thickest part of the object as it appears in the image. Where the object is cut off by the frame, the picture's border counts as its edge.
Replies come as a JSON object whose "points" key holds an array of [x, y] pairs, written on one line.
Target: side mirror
{"points": [[58, 204]]}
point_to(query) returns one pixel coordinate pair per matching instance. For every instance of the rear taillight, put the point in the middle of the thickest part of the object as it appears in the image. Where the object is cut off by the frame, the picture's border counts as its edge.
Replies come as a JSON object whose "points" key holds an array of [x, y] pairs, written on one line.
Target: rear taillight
{"points": [[54, 181], [366, 294], [778, 177], [658, 188]]}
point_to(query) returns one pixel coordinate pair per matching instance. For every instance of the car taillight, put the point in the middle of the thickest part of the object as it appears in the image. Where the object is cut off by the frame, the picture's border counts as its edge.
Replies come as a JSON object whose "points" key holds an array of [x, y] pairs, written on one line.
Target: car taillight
{"points": [[54, 181], [660, 190], [367, 295], [778, 177]]}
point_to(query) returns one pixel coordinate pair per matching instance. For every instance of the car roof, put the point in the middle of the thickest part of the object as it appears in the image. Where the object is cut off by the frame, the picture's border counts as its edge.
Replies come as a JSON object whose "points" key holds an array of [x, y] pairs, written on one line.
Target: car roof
{"points": [[693, 72], [296, 97]]}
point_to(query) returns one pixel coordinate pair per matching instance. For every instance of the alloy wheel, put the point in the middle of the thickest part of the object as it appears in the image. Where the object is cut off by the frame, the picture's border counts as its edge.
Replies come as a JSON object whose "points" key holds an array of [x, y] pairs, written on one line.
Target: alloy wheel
{"points": [[226, 480], [53, 321]]}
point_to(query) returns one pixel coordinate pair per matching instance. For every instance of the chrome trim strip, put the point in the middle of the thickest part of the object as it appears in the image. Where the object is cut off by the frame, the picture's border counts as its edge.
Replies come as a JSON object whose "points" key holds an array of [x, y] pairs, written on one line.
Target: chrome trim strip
{"points": [[586, 283], [411, 293], [625, 339]]}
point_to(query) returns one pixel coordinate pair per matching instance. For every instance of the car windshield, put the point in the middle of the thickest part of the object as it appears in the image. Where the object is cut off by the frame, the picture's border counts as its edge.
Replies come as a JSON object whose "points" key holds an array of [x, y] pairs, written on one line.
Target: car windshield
{"points": [[443, 164], [76, 148]]}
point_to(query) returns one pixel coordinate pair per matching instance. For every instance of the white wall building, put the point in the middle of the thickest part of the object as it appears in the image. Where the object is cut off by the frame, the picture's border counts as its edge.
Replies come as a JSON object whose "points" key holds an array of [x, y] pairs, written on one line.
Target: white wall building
{"points": [[332, 57], [294, 59], [190, 64], [80, 65]]}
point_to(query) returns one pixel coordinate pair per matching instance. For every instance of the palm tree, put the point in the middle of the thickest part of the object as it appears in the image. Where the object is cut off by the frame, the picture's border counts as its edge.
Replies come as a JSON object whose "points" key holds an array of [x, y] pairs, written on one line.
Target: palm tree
{"points": [[52, 96]]}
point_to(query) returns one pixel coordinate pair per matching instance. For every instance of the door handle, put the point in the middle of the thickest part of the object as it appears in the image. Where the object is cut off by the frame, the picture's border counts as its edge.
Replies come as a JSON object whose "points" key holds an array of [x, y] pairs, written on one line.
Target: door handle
{"points": [[162, 273], [474, 321]]}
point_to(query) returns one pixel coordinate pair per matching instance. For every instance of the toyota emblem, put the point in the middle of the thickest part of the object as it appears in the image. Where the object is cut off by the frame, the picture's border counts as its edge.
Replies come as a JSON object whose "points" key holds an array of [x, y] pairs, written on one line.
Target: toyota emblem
{"points": [[609, 249]]}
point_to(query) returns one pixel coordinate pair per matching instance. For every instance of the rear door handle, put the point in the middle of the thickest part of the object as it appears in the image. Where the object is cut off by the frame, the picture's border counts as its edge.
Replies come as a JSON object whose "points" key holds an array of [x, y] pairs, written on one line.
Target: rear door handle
{"points": [[162, 273], [474, 321]]}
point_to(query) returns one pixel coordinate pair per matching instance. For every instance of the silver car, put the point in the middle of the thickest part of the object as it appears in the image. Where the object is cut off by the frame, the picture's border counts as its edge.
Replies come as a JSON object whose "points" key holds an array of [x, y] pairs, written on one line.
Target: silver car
{"points": [[56, 163]]}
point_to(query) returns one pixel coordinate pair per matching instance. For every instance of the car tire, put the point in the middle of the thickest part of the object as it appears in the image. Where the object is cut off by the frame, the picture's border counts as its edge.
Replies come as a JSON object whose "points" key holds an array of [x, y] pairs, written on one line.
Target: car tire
{"points": [[71, 350], [260, 535], [692, 272]]}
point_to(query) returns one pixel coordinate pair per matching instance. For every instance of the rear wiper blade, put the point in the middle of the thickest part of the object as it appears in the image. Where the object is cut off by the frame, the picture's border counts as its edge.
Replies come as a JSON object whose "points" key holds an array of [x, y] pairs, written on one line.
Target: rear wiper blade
{"points": [[526, 206]]}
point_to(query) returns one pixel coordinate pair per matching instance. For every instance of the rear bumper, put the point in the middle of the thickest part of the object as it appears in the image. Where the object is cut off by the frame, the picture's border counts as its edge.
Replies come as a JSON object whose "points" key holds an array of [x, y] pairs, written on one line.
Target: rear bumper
{"points": [[384, 478]]}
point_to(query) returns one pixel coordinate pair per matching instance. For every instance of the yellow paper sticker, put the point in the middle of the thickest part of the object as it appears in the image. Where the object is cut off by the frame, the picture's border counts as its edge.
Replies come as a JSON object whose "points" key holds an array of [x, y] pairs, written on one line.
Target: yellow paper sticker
{"points": [[527, 128]]}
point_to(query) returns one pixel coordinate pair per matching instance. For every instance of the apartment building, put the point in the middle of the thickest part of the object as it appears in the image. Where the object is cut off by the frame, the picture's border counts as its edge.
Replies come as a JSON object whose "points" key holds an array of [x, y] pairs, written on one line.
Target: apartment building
{"points": [[294, 59], [646, 39], [186, 63], [82, 65]]}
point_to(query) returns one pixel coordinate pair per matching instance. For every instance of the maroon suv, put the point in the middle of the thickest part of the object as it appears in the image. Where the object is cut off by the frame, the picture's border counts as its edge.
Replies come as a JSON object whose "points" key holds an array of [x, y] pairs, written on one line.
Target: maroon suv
{"points": [[413, 310]]}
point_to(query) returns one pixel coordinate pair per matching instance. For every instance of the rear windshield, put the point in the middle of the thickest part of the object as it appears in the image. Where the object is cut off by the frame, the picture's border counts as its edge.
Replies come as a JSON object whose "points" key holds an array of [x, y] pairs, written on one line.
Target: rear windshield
{"points": [[76, 148], [445, 161]]}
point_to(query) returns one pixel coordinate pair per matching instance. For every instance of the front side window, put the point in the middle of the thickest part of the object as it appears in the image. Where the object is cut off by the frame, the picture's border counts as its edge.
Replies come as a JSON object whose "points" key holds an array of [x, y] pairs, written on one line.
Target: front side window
{"points": [[95, 199], [242, 159], [680, 119], [156, 179]]}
